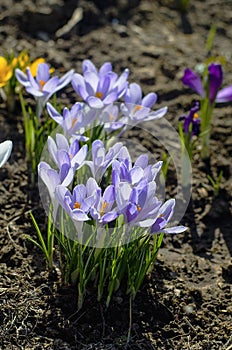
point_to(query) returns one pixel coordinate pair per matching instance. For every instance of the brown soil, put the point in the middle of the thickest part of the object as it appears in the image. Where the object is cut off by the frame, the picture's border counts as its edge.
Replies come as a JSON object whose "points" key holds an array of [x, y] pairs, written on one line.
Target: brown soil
{"points": [[186, 301]]}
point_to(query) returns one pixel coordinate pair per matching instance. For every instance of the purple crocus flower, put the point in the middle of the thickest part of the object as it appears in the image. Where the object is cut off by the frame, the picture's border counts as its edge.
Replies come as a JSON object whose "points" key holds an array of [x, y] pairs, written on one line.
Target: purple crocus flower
{"points": [[99, 88], [102, 210], [52, 178], [122, 169], [109, 117], [164, 215], [43, 86], [214, 82], [77, 204], [138, 204], [192, 121], [73, 120], [102, 160], [137, 108], [67, 158], [63, 153]]}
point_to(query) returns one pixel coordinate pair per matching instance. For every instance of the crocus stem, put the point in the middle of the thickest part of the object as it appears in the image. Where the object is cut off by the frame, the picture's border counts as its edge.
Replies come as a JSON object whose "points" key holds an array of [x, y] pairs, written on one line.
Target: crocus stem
{"points": [[206, 117]]}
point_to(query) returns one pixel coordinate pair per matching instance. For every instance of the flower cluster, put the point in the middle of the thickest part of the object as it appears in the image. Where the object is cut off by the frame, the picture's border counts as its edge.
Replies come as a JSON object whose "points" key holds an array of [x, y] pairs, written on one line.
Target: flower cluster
{"points": [[99, 90], [130, 191], [95, 196]]}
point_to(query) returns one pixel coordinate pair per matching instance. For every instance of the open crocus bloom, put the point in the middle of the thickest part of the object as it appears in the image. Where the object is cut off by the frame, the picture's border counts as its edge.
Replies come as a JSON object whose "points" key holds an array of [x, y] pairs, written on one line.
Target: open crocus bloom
{"points": [[192, 121], [215, 79], [5, 151], [42, 87], [137, 109], [99, 88]]}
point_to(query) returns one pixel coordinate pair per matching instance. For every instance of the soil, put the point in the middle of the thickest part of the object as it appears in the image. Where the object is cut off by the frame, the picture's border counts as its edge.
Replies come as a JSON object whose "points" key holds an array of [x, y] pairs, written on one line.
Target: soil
{"points": [[185, 303]]}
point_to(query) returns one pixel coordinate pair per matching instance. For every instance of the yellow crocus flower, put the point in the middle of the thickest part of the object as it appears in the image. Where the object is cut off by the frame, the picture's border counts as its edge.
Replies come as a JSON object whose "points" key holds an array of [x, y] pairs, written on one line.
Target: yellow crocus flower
{"points": [[6, 71]]}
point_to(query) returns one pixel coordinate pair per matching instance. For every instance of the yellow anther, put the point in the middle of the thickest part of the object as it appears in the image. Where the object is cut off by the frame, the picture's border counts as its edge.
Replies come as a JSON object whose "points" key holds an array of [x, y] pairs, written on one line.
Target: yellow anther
{"points": [[99, 94], [138, 207], [195, 115], [74, 122], [42, 83], [137, 108], [76, 205], [103, 208]]}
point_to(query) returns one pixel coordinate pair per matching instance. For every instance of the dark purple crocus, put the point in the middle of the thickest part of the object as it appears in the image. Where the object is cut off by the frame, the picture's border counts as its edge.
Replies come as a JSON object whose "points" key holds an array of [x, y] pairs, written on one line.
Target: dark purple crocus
{"points": [[213, 84], [192, 121]]}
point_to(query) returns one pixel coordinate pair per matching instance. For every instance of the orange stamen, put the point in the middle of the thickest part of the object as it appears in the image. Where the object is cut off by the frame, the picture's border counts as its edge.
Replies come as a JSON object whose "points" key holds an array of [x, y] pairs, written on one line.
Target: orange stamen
{"points": [[42, 83], [137, 108], [103, 208], [74, 122], [195, 115], [76, 205], [138, 208], [99, 94]]}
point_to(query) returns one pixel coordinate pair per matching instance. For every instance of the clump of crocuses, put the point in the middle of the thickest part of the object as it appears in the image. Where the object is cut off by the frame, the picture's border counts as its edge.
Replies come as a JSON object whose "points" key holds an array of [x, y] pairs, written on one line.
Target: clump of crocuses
{"points": [[209, 88], [108, 206], [102, 207]]}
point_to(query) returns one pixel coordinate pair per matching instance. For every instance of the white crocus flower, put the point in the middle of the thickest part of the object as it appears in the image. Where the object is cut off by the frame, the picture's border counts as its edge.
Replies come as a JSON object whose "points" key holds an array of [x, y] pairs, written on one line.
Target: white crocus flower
{"points": [[5, 151]]}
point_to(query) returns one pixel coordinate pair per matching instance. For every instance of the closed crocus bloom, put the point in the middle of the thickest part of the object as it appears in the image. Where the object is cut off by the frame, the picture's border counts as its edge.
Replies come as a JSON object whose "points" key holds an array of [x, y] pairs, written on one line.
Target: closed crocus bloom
{"points": [[6, 71], [5, 151]]}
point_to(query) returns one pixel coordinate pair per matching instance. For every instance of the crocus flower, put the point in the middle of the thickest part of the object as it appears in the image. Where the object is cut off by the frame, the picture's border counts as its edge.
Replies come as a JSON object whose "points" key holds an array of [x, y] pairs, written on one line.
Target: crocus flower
{"points": [[63, 153], [137, 108], [77, 204], [211, 87], [43, 86], [66, 157], [192, 121], [6, 71], [73, 120], [102, 210], [164, 215], [99, 88], [100, 159], [123, 170], [138, 204], [109, 117], [5, 151], [52, 178]]}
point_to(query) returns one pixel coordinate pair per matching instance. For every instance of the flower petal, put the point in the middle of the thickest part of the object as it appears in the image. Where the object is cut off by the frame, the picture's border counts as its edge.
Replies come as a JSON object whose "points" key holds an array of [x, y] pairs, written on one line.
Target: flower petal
{"points": [[193, 81], [215, 80], [5, 151], [224, 95]]}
